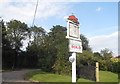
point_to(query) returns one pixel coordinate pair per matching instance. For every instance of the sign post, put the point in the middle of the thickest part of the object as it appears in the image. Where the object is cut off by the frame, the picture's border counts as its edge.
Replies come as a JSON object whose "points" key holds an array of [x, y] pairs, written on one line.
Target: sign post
{"points": [[74, 68], [75, 44]]}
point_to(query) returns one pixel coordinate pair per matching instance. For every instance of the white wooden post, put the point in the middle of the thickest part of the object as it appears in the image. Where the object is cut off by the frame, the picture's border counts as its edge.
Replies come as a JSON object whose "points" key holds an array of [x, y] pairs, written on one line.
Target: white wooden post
{"points": [[75, 44], [74, 68]]}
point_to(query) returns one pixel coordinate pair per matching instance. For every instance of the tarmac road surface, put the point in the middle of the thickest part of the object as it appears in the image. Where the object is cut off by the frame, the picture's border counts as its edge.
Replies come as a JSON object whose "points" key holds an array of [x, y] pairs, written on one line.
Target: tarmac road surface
{"points": [[16, 76]]}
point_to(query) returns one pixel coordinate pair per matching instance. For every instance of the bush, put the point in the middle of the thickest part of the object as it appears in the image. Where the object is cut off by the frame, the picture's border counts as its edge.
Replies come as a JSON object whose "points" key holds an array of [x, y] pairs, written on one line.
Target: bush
{"points": [[115, 67]]}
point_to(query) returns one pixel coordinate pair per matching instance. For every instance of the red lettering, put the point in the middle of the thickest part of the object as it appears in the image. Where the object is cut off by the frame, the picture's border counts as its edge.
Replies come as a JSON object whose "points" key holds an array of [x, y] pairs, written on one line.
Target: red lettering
{"points": [[76, 47], [72, 46], [79, 47]]}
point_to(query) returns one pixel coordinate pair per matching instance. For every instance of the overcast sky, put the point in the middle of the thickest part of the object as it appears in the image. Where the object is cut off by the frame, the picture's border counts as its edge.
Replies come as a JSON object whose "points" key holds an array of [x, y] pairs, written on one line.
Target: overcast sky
{"points": [[98, 20]]}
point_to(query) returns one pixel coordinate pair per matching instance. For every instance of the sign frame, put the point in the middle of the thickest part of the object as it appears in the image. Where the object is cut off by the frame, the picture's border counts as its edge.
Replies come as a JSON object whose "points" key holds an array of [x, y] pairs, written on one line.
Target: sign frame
{"points": [[75, 46], [71, 31], [75, 43]]}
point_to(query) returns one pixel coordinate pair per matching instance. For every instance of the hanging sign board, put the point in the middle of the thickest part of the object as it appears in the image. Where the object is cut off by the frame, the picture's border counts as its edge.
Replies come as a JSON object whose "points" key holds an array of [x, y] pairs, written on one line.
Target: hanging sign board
{"points": [[73, 34], [74, 30], [75, 46]]}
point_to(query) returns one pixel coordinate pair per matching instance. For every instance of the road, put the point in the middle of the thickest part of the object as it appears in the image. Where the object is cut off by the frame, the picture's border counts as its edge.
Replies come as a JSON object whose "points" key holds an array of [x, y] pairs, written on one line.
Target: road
{"points": [[16, 76]]}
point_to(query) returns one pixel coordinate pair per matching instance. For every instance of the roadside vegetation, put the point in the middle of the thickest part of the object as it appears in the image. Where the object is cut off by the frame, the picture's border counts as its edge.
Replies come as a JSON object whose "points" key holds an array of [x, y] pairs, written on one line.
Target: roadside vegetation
{"points": [[48, 51], [40, 76]]}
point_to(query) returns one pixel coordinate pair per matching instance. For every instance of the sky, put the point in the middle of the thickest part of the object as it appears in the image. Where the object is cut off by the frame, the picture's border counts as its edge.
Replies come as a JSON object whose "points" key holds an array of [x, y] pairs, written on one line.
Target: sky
{"points": [[98, 20]]}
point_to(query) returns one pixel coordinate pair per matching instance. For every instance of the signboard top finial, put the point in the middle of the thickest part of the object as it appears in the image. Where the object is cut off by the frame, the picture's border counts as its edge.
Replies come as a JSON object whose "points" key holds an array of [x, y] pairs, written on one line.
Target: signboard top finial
{"points": [[73, 18]]}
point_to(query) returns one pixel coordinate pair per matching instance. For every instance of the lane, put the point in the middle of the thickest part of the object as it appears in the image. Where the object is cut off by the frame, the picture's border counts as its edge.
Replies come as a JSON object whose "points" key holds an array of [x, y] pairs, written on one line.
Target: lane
{"points": [[16, 76]]}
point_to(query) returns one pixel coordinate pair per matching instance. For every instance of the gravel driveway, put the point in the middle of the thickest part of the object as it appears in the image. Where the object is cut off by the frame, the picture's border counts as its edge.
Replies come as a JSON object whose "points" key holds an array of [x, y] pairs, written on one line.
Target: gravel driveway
{"points": [[16, 76]]}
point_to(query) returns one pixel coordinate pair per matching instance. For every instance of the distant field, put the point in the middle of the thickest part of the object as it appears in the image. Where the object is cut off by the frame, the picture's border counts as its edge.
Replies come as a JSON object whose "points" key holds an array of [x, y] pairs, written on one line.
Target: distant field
{"points": [[40, 76]]}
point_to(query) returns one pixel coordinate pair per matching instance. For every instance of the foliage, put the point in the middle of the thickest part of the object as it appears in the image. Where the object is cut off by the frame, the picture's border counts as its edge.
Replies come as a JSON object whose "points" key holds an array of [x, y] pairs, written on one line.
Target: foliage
{"points": [[35, 47], [6, 49], [115, 67], [15, 33], [85, 58], [85, 43], [106, 54], [97, 56], [57, 35], [106, 61], [47, 51]]}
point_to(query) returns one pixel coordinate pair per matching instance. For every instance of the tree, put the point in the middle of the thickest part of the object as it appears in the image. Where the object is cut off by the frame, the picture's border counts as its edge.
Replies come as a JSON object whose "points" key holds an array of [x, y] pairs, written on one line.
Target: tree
{"points": [[85, 58], [106, 54], [85, 43], [106, 63], [38, 34], [97, 56], [7, 51], [35, 47], [5, 42], [59, 43], [16, 32]]}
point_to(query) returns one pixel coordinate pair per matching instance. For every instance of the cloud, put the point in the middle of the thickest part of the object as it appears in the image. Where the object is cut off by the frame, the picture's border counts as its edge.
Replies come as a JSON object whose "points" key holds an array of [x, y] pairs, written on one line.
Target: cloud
{"points": [[60, 0], [65, 17], [98, 9], [105, 41], [24, 11]]}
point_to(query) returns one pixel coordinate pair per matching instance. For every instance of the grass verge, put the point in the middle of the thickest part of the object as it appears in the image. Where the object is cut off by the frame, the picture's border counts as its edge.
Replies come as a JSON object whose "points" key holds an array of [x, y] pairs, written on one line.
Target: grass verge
{"points": [[40, 76]]}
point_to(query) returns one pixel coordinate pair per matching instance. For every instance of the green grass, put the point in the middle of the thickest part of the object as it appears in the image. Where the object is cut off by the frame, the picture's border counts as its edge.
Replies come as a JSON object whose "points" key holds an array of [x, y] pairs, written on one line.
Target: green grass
{"points": [[119, 77], [40, 76], [106, 76], [84, 80], [47, 77]]}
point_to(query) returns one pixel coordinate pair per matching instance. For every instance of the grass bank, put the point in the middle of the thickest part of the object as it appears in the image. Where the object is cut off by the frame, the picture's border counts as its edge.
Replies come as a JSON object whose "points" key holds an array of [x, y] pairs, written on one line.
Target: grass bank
{"points": [[40, 76]]}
